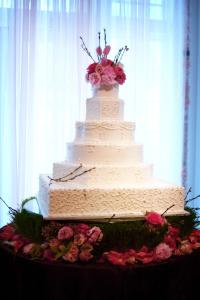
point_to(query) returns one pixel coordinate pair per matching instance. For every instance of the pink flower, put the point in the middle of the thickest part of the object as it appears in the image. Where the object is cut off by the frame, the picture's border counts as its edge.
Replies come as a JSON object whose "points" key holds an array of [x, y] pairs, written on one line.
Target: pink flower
{"points": [[170, 241], [72, 254], [85, 254], [95, 79], [95, 235], [118, 70], [7, 232], [81, 228], [17, 245], [106, 50], [99, 69], [107, 80], [120, 78], [65, 233], [106, 62], [99, 51], [79, 239], [115, 258], [144, 255], [173, 231], [27, 249], [154, 218], [91, 68], [162, 252]]}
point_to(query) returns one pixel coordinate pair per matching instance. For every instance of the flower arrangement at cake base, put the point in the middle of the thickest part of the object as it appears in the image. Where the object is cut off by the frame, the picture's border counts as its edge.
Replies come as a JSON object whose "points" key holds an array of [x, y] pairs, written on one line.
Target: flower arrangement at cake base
{"points": [[154, 239]]}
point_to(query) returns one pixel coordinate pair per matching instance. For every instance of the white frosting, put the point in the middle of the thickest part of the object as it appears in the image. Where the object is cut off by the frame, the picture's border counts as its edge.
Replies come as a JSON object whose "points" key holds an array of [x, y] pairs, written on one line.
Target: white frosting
{"points": [[104, 175], [95, 154], [104, 110], [120, 183], [105, 132], [72, 201]]}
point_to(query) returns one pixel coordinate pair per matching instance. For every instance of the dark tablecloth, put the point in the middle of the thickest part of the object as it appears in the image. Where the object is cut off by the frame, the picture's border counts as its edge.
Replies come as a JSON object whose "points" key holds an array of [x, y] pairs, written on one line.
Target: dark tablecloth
{"points": [[22, 278]]}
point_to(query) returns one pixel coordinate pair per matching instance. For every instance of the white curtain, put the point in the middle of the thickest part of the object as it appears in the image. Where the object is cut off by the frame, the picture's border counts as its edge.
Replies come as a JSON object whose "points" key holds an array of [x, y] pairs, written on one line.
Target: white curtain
{"points": [[43, 90]]}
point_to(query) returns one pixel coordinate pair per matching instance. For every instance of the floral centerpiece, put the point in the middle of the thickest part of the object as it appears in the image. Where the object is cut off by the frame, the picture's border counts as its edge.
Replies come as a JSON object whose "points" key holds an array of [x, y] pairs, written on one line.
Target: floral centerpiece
{"points": [[105, 72], [154, 239]]}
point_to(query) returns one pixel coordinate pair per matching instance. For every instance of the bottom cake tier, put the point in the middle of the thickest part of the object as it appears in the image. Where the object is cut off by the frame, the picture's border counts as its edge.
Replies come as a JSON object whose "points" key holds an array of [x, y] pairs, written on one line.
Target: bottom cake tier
{"points": [[68, 201]]}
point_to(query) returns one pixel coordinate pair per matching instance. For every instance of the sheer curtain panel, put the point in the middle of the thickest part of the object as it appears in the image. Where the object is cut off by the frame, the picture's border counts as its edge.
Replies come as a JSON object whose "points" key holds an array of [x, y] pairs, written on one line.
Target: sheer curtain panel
{"points": [[43, 90]]}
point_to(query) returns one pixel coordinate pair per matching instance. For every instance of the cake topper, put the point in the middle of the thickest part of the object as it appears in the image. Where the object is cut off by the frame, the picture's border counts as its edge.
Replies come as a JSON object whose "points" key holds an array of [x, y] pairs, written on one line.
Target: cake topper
{"points": [[104, 71]]}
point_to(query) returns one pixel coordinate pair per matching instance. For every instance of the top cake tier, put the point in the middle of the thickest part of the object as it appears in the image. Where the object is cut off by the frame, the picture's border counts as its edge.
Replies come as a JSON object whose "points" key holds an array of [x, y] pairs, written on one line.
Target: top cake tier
{"points": [[105, 105]]}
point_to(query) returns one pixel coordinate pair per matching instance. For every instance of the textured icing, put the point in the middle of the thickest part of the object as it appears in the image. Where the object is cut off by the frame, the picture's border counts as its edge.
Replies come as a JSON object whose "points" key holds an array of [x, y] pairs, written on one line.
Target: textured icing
{"points": [[104, 110], [120, 183], [118, 175], [101, 132], [73, 201], [95, 154]]}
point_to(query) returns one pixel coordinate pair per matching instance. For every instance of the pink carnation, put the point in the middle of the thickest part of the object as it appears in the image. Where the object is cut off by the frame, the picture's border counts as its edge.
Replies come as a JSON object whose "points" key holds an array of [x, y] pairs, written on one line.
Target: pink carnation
{"points": [[95, 79], [65, 233], [154, 218], [81, 228], [162, 252], [95, 235]]}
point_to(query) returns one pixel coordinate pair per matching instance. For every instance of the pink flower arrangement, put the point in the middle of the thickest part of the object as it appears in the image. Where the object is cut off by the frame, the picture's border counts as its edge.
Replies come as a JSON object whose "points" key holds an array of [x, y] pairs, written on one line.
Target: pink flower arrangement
{"points": [[77, 242], [105, 72]]}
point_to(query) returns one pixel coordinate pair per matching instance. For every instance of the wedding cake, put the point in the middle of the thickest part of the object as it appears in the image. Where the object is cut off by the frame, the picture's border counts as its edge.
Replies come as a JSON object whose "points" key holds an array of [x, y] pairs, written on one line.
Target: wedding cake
{"points": [[104, 175]]}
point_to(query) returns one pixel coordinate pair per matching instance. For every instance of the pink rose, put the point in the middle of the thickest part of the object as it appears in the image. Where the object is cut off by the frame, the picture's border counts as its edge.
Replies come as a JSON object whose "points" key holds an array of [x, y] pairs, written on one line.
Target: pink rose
{"points": [[95, 235], [72, 254], [106, 50], [99, 69], [65, 233], [95, 79], [162, 252], [81, 228], [154, 218], [173, 231]]}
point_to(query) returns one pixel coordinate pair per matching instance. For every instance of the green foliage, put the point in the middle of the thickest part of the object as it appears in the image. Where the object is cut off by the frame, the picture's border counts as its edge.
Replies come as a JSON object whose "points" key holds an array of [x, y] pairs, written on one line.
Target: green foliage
{"points": [[125, 235], [185, 223], [28, 224]]}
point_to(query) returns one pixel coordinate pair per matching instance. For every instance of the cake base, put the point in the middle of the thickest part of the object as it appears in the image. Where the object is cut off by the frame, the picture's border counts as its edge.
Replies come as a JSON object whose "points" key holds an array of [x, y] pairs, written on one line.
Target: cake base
{"points": [[69, 201]]}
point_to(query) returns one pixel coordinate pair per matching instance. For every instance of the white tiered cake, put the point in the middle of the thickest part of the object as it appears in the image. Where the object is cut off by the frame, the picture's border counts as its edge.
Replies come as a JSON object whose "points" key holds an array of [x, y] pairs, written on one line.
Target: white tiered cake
{"points": [[104, 175]]}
